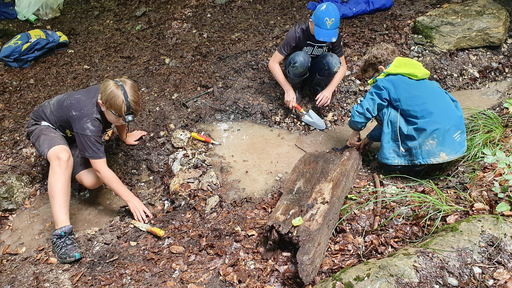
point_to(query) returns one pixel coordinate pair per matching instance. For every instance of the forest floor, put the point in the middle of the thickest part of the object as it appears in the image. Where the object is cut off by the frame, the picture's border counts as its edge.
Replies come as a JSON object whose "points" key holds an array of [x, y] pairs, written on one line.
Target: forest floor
{"points": [[176, 50]]}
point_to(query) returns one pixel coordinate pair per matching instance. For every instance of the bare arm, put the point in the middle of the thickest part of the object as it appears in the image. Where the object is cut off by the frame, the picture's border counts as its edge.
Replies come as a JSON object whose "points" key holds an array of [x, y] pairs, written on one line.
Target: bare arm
{"points": [[275, 68], [130, 138], [324, 98], [110, 179]]}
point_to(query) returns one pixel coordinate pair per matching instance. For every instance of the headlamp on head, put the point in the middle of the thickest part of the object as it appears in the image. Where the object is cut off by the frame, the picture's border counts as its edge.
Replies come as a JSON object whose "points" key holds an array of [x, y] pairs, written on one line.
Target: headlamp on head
{"points": [[128, 115]]}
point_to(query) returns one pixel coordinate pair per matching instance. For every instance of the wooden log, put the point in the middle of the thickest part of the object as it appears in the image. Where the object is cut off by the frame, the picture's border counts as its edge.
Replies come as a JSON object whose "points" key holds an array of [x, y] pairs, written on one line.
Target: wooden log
{"points": [[315, 191]]}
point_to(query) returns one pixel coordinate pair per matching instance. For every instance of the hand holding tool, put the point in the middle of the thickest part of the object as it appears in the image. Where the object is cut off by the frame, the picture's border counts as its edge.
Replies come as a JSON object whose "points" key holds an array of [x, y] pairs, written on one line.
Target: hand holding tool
{"points": [[148, 228], [203, 138], [311, 118]]}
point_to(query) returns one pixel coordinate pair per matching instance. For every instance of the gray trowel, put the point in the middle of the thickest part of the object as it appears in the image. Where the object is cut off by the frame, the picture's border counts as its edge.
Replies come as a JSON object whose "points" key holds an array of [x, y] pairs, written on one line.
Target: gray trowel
{"points": [[311, 118]]}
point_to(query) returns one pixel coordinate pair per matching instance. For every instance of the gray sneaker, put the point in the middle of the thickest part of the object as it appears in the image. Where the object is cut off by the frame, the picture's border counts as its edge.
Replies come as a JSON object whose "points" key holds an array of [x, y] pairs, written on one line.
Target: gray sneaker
{"points": [[64, 245]]}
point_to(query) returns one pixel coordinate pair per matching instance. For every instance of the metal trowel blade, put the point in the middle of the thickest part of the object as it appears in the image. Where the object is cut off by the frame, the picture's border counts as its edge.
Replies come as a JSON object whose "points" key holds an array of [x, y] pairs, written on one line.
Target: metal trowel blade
{"points": [[312, 119]]}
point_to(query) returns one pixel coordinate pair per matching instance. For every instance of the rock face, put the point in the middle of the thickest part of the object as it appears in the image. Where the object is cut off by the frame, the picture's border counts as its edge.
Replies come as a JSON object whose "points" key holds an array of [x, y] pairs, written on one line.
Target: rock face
{"points": [[13, 192], [471, 24]]}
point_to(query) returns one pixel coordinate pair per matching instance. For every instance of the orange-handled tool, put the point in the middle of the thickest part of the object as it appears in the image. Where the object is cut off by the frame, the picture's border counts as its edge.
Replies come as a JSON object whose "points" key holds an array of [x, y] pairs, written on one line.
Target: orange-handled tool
{"points": [[311, 118], [148, 228], [299, 108], [203, 138]]}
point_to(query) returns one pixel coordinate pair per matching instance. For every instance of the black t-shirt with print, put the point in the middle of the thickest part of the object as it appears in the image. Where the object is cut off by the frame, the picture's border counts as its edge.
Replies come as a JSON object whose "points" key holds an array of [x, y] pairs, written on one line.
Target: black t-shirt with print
{"points": [[299, 38], [79, 117]]}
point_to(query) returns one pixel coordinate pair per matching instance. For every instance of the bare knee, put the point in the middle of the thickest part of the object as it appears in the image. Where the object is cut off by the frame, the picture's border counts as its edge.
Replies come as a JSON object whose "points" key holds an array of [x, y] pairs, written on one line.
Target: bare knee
{"points": [[89, 179], [60, 156]]}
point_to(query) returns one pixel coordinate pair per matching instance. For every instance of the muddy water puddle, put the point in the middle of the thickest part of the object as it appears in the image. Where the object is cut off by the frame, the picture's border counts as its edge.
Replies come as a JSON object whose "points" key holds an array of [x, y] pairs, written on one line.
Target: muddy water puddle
{"points": [[33, 226], [259, 155], [483, 98]]}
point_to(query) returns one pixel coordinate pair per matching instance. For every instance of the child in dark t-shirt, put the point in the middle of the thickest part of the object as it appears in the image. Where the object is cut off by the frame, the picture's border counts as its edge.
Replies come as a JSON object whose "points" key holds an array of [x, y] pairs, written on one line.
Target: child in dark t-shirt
{"points": [[67, 130], [314, 56]]}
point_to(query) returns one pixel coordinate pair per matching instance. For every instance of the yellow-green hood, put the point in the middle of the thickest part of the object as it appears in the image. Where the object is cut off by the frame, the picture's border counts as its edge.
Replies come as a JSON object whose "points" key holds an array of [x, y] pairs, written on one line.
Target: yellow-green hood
{"points": [[406, 67]]}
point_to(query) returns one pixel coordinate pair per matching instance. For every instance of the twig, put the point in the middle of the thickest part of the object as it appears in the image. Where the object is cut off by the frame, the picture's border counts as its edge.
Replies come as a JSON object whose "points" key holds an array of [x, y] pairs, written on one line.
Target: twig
{"points": [[197, 96], [5, 249], [78, 277], [362, 244], [111, 259], [377, 213], [301, 149]]}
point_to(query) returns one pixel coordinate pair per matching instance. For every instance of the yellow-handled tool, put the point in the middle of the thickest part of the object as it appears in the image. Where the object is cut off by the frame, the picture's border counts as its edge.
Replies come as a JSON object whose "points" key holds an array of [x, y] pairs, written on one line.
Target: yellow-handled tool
{"points": [[148, 228], [203, 138]]}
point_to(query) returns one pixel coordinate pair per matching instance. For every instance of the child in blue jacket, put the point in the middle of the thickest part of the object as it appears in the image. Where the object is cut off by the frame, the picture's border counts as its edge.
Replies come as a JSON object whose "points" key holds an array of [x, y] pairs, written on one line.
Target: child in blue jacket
{"points": [[419, 124]]}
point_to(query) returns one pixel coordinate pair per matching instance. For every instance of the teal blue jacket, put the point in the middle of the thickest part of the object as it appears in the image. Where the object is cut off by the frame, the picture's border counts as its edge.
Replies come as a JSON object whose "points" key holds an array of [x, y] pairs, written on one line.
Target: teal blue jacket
{"points": [[417, 121]]}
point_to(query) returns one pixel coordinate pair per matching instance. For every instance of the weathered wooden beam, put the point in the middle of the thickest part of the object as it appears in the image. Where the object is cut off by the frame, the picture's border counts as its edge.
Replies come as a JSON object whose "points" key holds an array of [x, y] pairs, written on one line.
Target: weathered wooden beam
{"points": [[315, 191]]}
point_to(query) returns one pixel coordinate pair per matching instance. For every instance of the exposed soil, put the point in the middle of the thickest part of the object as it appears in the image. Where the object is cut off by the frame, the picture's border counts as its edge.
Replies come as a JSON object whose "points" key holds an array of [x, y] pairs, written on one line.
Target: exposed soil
{"points": [[176, 50]]}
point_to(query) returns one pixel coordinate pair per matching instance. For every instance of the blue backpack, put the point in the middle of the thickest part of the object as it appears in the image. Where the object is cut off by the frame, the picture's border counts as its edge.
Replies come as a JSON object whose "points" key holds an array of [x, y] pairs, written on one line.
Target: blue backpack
{"points": [[352, 8], [29, 46]]}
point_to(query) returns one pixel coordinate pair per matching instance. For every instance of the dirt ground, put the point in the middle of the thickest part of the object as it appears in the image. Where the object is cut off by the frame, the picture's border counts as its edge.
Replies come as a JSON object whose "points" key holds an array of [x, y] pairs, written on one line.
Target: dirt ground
{"points": [[176, 50]]}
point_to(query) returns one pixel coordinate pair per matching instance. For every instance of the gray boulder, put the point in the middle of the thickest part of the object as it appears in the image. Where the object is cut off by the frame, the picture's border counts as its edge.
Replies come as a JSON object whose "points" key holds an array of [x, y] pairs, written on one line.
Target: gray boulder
{"points": [[453, 252], [470, 24]]}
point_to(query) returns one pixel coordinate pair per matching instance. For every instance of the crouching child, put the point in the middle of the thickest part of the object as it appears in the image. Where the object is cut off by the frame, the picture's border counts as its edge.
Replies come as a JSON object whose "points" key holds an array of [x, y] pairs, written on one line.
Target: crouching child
{"points": [[420, 126], [67, 130]]}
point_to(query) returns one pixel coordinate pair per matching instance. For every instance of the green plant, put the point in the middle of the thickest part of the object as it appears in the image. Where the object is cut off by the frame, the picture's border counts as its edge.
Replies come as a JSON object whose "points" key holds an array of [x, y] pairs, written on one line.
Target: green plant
{"points": [[508, 105], [501, 184], [430, 207], [484, 130]]}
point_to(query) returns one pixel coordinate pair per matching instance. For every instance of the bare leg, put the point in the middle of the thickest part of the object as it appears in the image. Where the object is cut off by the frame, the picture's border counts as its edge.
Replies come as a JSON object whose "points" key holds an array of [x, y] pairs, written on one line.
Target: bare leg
{"points": [[59, 183], [89, 179]]}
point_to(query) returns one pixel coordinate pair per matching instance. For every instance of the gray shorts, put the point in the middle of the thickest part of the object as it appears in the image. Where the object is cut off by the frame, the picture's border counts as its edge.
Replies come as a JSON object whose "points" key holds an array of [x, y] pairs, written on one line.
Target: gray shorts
{"points": [[44, 138]]}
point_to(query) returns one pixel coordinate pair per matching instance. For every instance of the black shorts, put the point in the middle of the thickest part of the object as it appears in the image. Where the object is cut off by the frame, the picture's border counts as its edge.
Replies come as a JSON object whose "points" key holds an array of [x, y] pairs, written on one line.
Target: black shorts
{"points": [[44, 138]]}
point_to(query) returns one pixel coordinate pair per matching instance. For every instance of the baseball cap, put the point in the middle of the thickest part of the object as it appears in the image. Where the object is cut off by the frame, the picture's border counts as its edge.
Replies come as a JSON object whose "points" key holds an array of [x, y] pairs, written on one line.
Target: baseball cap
{"points": [[327, 20]]}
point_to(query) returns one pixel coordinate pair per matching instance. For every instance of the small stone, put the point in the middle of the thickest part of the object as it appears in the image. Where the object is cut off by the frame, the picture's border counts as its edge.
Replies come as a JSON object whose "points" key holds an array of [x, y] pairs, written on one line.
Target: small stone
{"points": [[141, 11], [452, 281], [180, 138], [211, 202]]}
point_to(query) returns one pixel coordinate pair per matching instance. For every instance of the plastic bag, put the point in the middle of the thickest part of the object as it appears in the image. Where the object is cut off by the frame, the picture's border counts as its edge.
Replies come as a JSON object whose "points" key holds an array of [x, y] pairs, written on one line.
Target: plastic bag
{"points": [[26, 8], [50, 9], [44, 9]]}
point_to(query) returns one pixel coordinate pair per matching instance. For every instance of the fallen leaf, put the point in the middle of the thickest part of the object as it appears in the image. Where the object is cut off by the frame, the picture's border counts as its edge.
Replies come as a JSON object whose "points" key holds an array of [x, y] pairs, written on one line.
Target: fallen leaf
{"points": [[177, 249], [252, 233], [350, 263], [452, 219], [52, 260], [501, 275], [480, 207]]}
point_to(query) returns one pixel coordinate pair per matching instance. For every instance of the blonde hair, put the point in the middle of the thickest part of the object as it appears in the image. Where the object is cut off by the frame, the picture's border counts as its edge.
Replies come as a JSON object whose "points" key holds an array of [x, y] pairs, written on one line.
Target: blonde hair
{"points": [[381, 54], [112, 97]]}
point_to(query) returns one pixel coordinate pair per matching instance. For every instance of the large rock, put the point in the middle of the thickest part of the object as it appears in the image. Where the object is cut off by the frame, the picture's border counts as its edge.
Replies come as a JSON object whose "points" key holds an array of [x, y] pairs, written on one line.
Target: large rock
{"points": [[453, 254], [14, 190], [471, 24]]}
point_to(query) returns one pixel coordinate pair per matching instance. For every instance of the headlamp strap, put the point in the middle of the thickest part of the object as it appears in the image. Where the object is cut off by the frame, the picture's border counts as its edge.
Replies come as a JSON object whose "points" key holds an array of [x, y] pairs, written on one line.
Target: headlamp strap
{"points": [[125, 95]]}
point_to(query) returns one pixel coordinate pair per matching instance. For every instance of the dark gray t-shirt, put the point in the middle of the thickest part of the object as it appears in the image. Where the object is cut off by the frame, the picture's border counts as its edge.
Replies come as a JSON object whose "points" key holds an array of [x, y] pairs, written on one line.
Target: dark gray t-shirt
{"points": [[78, 116], [299, 38]]}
